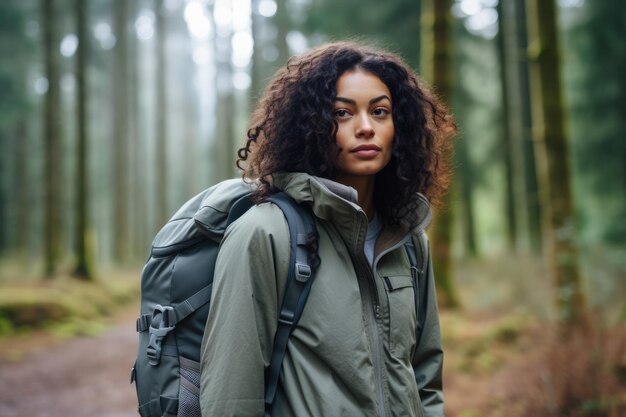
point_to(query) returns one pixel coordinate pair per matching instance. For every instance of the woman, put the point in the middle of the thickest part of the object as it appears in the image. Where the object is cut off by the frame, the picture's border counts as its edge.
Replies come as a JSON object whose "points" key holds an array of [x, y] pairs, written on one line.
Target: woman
{"points": [[352, 133]]}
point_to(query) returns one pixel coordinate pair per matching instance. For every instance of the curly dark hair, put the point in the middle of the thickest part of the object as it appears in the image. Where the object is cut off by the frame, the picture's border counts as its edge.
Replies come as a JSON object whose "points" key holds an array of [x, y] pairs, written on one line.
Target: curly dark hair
{"points": [[293, 128]]}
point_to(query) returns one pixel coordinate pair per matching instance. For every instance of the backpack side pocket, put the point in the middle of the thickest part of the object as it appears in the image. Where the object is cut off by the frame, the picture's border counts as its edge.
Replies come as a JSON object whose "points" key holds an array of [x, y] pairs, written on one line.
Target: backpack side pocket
{"points": [[189, 395]]}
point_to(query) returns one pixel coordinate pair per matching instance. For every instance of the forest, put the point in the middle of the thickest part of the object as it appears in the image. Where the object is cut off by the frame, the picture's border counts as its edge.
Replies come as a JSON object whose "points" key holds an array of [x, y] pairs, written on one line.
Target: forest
{"points": [[114, 113]]}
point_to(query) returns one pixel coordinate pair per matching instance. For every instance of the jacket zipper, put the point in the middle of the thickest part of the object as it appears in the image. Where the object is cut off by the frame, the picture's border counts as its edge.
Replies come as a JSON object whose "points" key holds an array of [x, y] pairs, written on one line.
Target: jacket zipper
{"points": [[373, 316], [377, 351]]}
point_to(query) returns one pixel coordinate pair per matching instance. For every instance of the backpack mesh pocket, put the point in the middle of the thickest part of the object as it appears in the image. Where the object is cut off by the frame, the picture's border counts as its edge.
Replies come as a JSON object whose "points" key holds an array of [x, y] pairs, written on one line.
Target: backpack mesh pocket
{"points": [[188, 397]]}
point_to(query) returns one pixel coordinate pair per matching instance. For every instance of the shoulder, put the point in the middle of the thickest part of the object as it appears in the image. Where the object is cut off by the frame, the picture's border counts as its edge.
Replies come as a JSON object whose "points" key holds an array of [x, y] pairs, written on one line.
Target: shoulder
{"points": [[257, 243], [265, 220]]}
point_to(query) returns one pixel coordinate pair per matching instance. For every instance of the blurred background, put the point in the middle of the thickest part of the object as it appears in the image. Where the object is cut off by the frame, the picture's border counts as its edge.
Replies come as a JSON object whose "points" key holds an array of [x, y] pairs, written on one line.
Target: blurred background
{"points": [[113, 113]]}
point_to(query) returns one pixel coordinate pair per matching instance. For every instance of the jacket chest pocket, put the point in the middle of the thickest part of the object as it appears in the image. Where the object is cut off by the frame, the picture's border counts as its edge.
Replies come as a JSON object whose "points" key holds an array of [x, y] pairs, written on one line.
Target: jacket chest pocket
{"points": [[402, 321]]}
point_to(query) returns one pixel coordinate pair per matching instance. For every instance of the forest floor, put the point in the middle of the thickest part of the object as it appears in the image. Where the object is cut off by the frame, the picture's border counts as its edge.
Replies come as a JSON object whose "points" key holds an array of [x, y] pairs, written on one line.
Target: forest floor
{"points": [[499, 356], [42, 375]]}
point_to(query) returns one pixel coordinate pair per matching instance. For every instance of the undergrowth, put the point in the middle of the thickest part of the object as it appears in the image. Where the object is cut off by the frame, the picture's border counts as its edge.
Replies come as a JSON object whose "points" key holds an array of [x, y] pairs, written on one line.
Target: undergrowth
{"points": [[64, 305], [579, 374]]}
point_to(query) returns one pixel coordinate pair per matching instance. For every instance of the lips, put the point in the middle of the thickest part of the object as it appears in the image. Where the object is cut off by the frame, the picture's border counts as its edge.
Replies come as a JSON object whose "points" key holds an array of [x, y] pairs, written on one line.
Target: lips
{"points": [[366, 151]]}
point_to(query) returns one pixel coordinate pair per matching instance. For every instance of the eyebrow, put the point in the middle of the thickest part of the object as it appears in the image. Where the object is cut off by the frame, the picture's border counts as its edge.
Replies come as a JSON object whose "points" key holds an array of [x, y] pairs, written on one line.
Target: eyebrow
{"points": [[353, 102]]}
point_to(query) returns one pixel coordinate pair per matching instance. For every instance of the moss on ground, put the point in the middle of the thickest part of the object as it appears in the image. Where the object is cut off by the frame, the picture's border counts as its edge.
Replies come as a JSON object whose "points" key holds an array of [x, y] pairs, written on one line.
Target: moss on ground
{"points": [[64, 305]]}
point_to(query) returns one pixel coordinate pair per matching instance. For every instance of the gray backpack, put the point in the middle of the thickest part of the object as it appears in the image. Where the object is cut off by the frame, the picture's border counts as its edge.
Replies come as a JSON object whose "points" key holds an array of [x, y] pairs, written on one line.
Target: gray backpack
{"points": [[176, 290]]}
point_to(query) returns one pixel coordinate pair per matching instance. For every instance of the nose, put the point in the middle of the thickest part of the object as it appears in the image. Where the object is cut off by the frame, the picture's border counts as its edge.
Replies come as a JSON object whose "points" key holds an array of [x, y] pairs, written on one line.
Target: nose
{"points": [[364, 128]]}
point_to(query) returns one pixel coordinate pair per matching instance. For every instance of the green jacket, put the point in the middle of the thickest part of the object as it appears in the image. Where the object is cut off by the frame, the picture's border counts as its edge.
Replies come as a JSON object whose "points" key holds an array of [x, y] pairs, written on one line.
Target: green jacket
{"points": [[353, 351]]}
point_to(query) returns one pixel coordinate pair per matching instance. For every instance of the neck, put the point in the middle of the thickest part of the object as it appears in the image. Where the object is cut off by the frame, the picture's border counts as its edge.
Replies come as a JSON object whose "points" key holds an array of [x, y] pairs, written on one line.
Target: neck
{"points": [[364, 186]]}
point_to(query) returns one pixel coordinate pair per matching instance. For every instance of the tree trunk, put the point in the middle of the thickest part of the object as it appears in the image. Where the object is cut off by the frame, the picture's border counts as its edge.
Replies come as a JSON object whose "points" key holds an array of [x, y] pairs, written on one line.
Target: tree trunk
{"points": [[139, 198], [552, 153], [222, 154], [191, 120], [52, 138], [161, 184], [531, 186], [4, 193], [256, 69], [466, 179], [84, 268], [511, 157], [281, 20], [466, 169], [435, 64], [522, 188], [22, 187], [120, 134], [15, 120]]}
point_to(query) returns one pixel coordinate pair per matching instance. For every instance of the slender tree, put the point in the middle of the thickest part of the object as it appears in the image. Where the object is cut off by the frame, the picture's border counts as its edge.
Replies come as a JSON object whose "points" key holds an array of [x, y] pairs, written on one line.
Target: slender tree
{"points": [[281, 20], [16, 115], [256, 70], [138, 202], [552, 153], [21, 181], [511, 173], [435, 68], [161, 166], [521, 198], [52, 139], [13, 124], [120, 134], [270, 49], [191, 117], [4, 194], [222, 150], [467, 175], [84, 268], [531, 187], [466, 191]]}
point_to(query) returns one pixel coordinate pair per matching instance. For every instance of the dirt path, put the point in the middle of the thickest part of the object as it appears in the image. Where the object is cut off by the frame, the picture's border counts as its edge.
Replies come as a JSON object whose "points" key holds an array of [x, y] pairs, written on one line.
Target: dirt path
{"points": [[86, 376], [44, 376], [89, 376]]}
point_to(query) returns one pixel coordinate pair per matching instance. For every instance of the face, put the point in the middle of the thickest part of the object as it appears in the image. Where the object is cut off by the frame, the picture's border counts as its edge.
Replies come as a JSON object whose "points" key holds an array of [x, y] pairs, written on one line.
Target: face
{"points": [[365, 132]]}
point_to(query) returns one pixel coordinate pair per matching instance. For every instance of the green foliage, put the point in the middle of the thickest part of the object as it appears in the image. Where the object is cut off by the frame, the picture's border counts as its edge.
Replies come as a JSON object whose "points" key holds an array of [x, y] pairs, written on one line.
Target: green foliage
{"points": [[508, 329], [6, 327], [78, 326], [394, 25], [65, 306], [486, 352], [470, 413], [31, 311]]}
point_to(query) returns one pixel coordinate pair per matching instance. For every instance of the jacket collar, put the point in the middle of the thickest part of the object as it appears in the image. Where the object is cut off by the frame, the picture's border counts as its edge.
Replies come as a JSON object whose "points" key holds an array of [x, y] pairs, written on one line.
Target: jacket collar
{"points": [[337, 203]]}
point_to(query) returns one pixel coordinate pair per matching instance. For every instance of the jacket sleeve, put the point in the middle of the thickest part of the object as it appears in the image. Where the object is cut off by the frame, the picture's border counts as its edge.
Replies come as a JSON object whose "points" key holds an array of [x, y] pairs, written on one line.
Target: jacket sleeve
{"points": [[242, 321], [428, 357]]}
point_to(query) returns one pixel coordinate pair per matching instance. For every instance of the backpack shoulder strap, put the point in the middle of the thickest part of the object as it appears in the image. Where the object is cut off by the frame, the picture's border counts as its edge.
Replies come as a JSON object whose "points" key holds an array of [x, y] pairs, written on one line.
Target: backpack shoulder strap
{"points": [[418, 257], [299, 279]]}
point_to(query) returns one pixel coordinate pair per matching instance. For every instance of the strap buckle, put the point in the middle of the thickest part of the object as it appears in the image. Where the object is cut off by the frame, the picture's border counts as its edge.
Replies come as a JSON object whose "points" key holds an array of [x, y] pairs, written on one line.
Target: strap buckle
{"points": [[303, 272], [163, 322], [286, 317]]}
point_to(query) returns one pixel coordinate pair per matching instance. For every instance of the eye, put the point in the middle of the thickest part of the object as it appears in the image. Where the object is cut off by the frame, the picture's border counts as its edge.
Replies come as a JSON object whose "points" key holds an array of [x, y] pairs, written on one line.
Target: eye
{"points": [[380, 112], [341, 113]]}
